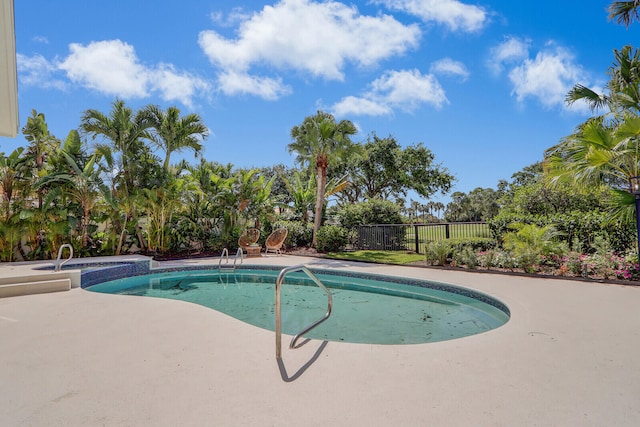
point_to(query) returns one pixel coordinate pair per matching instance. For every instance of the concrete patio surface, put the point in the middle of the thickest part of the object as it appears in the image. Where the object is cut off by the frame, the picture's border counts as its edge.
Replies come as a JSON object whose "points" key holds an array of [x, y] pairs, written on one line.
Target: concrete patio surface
{"points": [[569, 356]]}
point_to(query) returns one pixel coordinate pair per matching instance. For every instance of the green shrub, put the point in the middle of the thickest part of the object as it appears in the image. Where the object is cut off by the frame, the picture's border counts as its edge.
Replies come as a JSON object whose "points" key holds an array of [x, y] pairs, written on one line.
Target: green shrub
{"points": [[331, 238], [438, 252], [579, 229], [467, 257], [474, 243], [299, 235], [530, 243], [371, 212]]}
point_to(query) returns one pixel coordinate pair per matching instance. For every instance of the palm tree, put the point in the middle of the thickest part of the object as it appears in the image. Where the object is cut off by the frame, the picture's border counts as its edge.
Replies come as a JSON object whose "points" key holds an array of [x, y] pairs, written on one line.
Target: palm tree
{"points": [[174, 133], [303, 195], [415, 208], [438, 207], [126, 133], [41, 145], [605, 150], [624, 12], [621, 91], [319, 140], [599, 152]]}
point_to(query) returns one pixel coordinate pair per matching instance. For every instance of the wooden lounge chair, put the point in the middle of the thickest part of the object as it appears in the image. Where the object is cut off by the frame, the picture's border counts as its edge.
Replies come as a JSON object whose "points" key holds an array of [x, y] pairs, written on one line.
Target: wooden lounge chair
{"points": [[248, 238], [275, 241]]}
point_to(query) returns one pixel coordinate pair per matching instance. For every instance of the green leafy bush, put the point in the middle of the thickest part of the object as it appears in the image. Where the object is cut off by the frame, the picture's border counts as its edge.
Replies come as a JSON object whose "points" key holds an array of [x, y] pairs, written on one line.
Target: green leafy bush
{"points": [[474, 243], [529, 243], [579, 229], [331, 238], [371, 212], [299, 235], [438, 252], [467, 257]]}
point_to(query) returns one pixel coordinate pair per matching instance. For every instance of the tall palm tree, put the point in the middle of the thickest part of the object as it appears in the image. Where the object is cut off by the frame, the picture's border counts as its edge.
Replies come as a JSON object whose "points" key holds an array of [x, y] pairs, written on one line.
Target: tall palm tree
{"points": [[624, 12], [319, 140], [174, 133], [125, 133], [41, 145]]}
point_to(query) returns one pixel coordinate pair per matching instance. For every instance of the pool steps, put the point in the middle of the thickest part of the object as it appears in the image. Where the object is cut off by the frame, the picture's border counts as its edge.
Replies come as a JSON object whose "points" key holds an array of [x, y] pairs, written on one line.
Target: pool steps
{"points": [[31, 288]]}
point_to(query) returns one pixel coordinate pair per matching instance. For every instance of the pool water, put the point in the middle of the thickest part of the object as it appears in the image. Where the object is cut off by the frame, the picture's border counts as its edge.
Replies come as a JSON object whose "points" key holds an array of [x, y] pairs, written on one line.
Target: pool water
{"points": [[365, 309]]}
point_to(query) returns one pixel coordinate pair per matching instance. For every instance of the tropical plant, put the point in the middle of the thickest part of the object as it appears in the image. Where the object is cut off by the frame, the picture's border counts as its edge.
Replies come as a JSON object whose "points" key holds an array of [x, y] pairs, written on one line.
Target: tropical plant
{"points": [[318, 141], [126, 157], [302, 194], [529, 243], [621, 92], [598, 153], [624, 12], [438, 252], [13, 178], [174, 133], [41, 142]]}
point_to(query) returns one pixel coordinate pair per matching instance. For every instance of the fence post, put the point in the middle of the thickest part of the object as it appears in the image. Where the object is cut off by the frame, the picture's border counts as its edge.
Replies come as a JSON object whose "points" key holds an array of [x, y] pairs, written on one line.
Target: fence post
{"points": [[417, 240], [446, 231]]}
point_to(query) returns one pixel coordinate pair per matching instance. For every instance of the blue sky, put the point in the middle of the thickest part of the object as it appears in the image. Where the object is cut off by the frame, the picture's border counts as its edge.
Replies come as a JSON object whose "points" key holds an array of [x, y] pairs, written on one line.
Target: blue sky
{"points": [[481, 83]]}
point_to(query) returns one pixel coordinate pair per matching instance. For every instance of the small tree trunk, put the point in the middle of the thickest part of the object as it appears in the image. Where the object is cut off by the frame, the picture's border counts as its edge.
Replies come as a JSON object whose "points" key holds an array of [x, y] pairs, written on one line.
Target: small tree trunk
{"points": [[122, 234], [322, 183]]}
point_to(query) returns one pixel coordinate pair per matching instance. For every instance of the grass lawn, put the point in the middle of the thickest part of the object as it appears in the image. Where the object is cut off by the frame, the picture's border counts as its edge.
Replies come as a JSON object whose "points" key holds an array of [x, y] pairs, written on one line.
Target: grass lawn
{"points": [[382, 257]]}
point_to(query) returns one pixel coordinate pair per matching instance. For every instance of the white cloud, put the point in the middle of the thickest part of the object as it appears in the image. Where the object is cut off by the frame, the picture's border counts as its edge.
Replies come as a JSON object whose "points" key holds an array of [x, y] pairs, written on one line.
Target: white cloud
{"points": [[405, 90], [235, 83], [177, 86], [548, 77], [112, 67], [449, 67], [40, 39], [360, 107], [452, 13], [309, 37], [237, 15], [36, 70], [511, 50]]}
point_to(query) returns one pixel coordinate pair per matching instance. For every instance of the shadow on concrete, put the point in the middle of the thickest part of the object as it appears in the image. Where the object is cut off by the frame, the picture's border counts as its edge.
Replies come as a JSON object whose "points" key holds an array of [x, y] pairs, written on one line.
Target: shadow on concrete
{"points": [[283, 370]]}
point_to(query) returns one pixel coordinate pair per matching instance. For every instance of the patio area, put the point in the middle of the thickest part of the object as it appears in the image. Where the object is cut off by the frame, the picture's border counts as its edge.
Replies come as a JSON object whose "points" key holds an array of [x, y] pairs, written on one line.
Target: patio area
{"points": [[569, 357]]}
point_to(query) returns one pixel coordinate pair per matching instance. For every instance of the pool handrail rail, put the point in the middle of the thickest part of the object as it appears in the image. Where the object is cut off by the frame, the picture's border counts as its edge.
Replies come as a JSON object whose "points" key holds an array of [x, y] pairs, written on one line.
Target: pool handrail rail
{"points": [[278, 307], [58, 264], [225, 252]]}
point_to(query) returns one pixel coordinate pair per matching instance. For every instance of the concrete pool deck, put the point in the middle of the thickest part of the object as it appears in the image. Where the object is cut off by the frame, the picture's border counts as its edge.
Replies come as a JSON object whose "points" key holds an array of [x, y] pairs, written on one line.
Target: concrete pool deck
{"points": [[569, 356]]}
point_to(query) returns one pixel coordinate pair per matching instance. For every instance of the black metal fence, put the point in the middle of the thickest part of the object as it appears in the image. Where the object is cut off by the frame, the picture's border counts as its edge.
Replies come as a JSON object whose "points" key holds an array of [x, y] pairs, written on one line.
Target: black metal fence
{"points": [[414, 237]]}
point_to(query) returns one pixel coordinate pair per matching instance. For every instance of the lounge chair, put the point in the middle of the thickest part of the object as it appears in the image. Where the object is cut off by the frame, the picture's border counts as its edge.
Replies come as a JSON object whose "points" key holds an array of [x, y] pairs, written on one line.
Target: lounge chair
{"points": [[248, 238], [275, 241]]}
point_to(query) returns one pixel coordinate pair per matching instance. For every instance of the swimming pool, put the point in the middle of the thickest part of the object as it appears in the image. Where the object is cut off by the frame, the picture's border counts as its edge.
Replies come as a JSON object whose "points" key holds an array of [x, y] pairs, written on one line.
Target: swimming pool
{"points": [[366, 308]]}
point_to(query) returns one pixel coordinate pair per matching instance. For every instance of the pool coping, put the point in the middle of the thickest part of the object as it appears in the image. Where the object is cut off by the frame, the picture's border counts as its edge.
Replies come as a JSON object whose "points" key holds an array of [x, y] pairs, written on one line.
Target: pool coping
{"points": [[566, 357]]}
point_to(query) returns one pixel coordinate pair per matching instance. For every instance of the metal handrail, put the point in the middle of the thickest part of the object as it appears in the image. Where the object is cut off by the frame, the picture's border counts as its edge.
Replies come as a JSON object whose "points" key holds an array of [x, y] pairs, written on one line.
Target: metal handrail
{"points": [[240, 254], [279, 281], [225, 251], [58, 264]]}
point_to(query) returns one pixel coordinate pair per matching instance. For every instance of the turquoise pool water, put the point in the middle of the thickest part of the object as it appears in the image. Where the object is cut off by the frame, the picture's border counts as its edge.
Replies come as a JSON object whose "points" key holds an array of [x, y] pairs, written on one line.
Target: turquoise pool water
{"points": [[366, 308]]}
